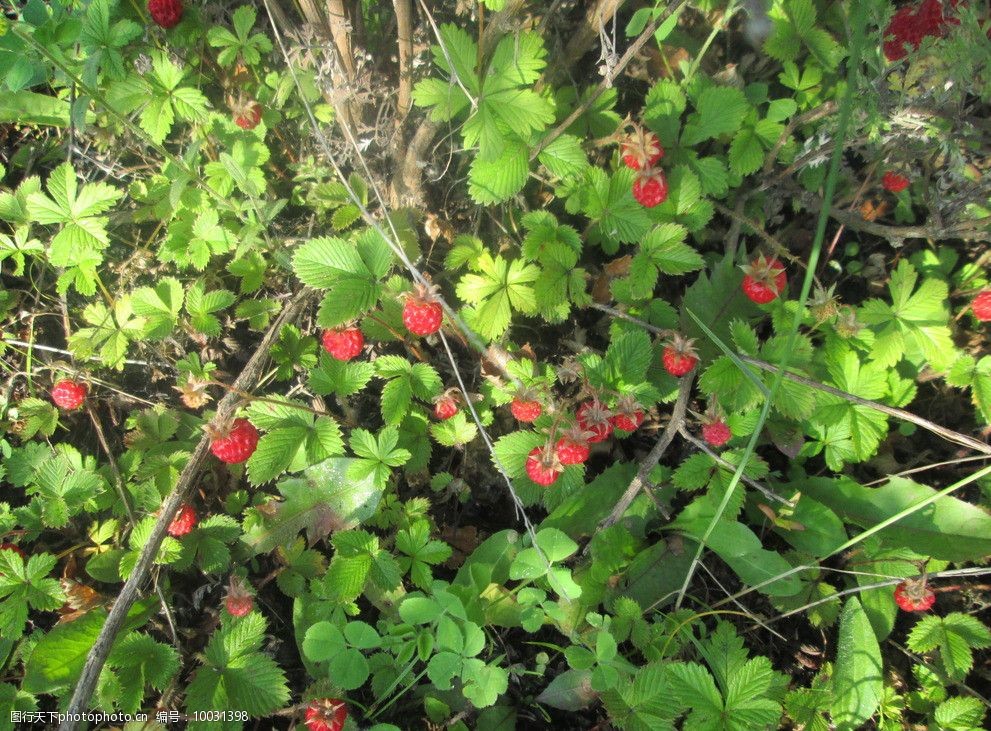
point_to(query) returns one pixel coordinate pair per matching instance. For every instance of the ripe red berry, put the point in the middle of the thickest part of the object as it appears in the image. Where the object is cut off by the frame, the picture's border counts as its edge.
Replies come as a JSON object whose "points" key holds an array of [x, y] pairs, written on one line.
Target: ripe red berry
{"points": [[981, 306], [763, 280], [679, 356], [628, 421], [326, 714], [542, 466], [236, 444], [166, 13], [422, 313], [68, 394], [239, 600], [650, 188], [913, 595], [910, 25], [571, 452], [641, 149], [183, 522], [525, 410], [716, 433], [445, 406], [893, 182], [343, 343], [248, 116], [593, 417]]}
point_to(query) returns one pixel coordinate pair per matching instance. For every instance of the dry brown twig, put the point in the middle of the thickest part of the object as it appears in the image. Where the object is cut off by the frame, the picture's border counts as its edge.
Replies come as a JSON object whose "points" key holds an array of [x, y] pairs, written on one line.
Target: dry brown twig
{"points": [[656, 453], [645, 35], [763, 490], [226, 409]]}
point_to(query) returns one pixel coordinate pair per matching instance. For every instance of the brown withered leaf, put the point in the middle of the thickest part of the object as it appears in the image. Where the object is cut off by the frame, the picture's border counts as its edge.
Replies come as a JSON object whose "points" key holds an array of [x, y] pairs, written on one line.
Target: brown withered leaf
{"points": [[871, 210], [463, 540], [79, 599], [437, 228], [602, 286]]}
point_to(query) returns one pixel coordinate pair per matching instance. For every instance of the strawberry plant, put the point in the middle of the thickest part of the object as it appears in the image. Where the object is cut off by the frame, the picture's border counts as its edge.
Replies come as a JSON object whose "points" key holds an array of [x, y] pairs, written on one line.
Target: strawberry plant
{"points": [[495, 365]]}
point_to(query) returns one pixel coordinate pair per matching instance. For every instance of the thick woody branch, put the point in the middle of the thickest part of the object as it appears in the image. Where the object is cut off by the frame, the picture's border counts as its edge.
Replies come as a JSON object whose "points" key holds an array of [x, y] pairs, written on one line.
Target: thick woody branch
{"points": [[226, 409], [404, 39]]}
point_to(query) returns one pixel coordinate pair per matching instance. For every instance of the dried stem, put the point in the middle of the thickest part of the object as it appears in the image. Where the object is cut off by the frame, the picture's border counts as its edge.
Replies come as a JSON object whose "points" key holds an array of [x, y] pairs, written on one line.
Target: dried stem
{"points": [[655, 454], [226, 408]]}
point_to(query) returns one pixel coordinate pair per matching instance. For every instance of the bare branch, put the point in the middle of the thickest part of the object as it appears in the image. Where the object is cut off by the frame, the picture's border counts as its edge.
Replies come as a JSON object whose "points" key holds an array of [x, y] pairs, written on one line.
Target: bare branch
{"points": [[765, 491], [226, 408], [941, 431], [655, 454], [624, 61], [404, 40]]}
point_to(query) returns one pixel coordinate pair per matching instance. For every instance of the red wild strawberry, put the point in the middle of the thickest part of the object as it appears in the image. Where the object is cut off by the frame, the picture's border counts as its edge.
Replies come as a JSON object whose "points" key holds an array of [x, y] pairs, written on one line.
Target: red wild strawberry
{"points": [[525, 406], [593, 417], [166, 13], [628, 422], [248, 115], [445, 406], [628, 415], [570, 451], [763, 280], [650, 188], [909, 26], [913, 595], [679, 356], [183, 522], [422, 313], [343, 343], [68, 394], [641, 149], [238, 601], [716, 433], [893, 182], [981, 306], [326, 714], [235, 443], [542, 466]]}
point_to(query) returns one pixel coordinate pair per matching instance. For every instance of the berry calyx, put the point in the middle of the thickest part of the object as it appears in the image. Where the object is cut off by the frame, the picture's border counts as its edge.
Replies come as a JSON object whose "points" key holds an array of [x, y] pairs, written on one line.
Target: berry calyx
{"points": [[543, 466], [641, 149], [893, 182], [248, 115], [981, 306], [183, 522], [650, 188], [165, 13], [679, 356], [343, 343], [593, 417], [914, 595], [525, 407], [446, 405], [239, 600], [422, 313], [235, 444], [68, 394], [763, 280], [628, 415], [326, 714]]}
